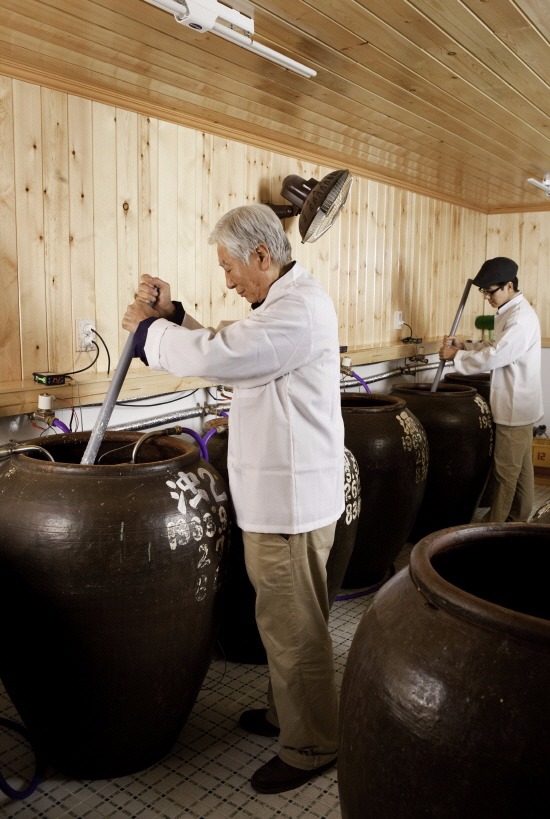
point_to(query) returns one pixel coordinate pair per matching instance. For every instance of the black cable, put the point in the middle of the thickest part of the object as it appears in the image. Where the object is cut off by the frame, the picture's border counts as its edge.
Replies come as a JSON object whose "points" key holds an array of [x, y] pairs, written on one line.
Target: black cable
{"points": [[410, 339], [116, 449], [77, 385], [91, 364], [106, 350], [131, 402], [4, 786], [74, 416]]}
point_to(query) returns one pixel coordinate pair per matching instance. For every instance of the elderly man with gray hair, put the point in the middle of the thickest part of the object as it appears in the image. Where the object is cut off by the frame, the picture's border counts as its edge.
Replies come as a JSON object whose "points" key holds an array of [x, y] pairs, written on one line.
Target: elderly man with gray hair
{"points": [[285, 466]]}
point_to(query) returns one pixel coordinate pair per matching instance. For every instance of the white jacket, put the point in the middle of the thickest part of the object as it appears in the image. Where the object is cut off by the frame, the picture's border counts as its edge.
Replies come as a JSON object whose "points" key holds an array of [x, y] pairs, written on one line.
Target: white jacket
{"points": [[286, 433], [514, 359]]}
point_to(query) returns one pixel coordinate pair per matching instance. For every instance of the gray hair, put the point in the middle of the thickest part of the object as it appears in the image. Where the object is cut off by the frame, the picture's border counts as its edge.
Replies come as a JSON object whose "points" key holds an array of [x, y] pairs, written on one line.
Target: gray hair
{"points": [[241, 230]]}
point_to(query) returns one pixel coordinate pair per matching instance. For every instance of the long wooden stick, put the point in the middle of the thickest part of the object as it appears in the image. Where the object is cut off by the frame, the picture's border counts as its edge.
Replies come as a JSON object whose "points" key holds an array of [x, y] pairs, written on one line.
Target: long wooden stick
{"points": [[458, 316]]}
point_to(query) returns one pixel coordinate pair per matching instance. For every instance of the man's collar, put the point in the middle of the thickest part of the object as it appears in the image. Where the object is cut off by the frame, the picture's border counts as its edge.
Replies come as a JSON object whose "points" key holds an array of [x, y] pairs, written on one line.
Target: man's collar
{"points": [[504, 307], [284, 271]]}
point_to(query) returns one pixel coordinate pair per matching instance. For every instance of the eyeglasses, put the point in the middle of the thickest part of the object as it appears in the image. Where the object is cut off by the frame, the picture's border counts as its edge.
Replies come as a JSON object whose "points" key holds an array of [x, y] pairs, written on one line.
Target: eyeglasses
{"points": [[490, 292]]}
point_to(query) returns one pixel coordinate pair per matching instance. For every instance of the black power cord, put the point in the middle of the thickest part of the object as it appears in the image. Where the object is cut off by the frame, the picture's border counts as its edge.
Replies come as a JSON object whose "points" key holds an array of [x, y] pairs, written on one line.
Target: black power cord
{"points": [[58, 379], [106, 350], [410, 339]]}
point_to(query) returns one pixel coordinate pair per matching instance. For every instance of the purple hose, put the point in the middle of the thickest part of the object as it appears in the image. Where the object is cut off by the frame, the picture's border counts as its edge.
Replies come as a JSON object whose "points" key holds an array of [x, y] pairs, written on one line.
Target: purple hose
{"points": [[358, 377], [60, 425], [199, 440], [209, 434]]}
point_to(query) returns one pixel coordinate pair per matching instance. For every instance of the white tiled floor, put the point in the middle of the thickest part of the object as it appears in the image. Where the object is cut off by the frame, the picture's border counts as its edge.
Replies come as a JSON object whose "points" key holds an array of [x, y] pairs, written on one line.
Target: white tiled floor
{"points": [[207, 774]]}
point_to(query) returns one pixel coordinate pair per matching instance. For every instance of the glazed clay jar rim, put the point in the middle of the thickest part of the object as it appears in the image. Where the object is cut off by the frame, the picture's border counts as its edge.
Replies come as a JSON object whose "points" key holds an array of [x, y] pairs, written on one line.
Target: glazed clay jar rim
{"points": [[486, 376], [446, 596], [444, 390], [186, 457], [386, 403], [219, 424]]}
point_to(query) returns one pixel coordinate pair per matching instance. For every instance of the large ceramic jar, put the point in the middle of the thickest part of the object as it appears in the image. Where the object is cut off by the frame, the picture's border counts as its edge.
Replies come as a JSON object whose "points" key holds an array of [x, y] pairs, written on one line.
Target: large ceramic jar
{"points": [[239, 638], [392, 452], [479, 381], [482, 383], [444, 702], [109, 589], [542, 514], [459, 427]]}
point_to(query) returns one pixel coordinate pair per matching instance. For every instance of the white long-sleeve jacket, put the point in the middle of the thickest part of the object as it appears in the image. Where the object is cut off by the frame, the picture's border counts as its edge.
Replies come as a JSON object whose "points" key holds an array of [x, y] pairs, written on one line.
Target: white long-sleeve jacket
{"points": [[514, 359], [286, 433]]}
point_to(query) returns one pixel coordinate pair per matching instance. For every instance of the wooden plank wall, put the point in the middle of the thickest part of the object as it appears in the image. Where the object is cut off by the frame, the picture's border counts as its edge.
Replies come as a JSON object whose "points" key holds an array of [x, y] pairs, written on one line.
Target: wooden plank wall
{"points": [[92, 196], [525, 237]]}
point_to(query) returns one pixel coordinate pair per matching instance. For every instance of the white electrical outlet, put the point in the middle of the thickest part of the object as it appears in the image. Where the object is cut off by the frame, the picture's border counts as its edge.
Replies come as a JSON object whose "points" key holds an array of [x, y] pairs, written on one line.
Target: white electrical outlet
{"points": [[397, 320], [84, 335]]}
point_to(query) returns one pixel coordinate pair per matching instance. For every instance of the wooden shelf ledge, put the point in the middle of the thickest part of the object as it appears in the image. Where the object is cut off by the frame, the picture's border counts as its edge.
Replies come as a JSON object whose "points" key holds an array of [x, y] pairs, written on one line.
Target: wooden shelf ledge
{"points": [[20, 397]]}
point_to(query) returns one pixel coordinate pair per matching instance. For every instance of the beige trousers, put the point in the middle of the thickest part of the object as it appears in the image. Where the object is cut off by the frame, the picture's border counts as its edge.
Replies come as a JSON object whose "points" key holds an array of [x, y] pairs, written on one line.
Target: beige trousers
{"points": [[289, 575], [514, 487]]}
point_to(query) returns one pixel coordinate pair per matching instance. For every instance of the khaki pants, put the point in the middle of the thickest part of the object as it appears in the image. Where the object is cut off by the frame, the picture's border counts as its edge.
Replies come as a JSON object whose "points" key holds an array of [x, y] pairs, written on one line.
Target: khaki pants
{"points": [[288, 573], [514, 488]]}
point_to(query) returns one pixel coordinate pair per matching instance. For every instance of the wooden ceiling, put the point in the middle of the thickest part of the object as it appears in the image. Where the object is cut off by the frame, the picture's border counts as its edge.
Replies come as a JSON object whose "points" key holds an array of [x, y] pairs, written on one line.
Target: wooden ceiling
{"points": [[449, 98]]}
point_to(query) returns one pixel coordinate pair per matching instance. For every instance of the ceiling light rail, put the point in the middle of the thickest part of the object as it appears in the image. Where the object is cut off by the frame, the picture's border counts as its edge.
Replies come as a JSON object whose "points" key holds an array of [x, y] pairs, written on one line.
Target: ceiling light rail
{"points": [[230, 24], [544, 185]]}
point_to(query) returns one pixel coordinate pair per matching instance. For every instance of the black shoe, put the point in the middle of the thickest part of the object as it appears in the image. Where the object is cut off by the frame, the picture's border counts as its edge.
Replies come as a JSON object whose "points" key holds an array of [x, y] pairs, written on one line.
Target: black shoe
{"points": [[255, 722], [276, 776]]}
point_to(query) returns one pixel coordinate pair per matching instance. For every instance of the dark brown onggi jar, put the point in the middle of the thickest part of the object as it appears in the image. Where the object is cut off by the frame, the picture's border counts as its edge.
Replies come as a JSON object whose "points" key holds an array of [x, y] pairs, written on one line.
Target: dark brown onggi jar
{"points": [[391, 448], [482, 383], [444, 701], [239, 638], [479, 381], [110, 577], [459, 428]]}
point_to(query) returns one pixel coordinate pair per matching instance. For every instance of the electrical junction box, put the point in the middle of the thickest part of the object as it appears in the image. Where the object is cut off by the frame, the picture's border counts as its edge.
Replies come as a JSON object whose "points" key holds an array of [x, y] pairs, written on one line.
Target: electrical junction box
{"points": [[84, 329]]}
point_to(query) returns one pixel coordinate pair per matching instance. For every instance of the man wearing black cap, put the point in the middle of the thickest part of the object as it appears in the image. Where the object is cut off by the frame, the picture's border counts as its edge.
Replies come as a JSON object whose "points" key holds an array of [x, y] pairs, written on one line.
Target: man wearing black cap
{"points": [[513, 358]]}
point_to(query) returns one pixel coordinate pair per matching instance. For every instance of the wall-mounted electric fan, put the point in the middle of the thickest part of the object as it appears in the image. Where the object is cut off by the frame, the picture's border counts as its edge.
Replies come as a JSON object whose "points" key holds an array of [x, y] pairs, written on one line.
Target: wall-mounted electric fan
{"points": [[318, 203]]}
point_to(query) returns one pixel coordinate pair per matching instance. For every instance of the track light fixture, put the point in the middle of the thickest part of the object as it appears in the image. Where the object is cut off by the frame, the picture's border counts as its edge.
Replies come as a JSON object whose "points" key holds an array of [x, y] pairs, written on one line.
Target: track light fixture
{"points": [[230, 24], [544, 185]]}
